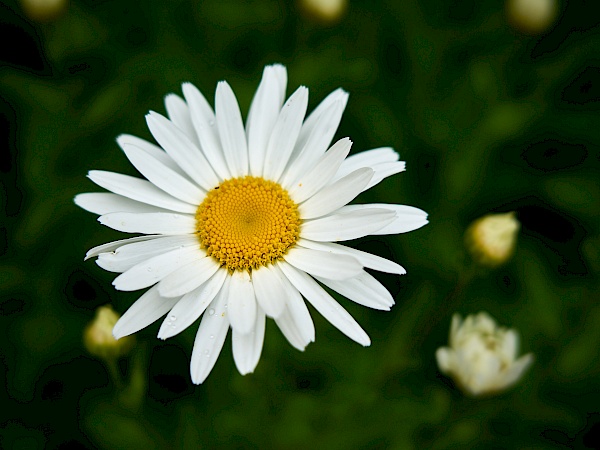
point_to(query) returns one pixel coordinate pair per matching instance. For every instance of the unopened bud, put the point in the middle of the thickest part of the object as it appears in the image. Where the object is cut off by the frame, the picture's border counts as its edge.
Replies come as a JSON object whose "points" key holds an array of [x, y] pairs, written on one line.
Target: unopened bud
{"points": [[324, 10], [531, 16], [98, 337], [482, 357], [491, 239], [44, 10]]}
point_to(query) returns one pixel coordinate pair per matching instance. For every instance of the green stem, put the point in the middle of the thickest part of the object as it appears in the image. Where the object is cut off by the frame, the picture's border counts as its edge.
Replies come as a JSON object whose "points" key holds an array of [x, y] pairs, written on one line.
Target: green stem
{"points": [[115, 374]]}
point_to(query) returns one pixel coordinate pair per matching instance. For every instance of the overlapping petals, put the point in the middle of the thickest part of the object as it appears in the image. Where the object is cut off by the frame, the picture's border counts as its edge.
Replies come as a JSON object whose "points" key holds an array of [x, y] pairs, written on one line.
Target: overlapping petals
{"points": [[198, 148]]}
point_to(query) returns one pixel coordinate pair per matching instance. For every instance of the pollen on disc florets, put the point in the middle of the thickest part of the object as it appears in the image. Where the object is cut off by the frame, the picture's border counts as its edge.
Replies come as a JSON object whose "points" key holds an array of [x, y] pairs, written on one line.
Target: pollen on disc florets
{"points": [[247, 222]]}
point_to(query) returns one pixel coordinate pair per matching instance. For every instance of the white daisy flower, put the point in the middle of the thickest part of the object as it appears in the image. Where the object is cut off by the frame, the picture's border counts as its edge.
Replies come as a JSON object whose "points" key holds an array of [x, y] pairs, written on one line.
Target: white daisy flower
{"points": [[240, 223]]}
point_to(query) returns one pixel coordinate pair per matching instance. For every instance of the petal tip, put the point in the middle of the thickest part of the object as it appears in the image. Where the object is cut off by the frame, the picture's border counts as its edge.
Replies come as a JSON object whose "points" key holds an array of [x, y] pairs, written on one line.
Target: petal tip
{"points": [[161, 335], [120, 138], [152, 115], [117, 332], [223, 85], [188, 88]]}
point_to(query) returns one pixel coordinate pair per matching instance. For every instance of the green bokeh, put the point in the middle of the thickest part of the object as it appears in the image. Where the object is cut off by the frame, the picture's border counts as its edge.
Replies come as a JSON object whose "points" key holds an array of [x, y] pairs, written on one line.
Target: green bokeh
{"points": [[488, 120]]}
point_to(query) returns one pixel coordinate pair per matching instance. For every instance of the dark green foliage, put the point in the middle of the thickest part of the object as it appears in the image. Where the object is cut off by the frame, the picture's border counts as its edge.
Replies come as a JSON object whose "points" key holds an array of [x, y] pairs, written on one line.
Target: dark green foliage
{"points": [[488, 120]]}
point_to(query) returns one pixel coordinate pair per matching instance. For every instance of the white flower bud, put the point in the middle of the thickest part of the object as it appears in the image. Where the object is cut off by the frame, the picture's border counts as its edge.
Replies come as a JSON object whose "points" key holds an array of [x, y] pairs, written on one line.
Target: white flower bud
{"points": [[482, 356], [531, 16], [98, 336], [491, 239], [324, 10]]}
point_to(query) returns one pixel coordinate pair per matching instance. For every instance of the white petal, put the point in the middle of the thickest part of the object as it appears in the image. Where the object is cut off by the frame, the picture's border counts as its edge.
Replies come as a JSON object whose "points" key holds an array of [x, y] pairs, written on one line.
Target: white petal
{"points": [[369, 158], [404, 210], [322, 113], [248, 347], [517, 369], [147, 309], [304, 158], [106, 202], [204, 122], [366, 259], [182, 150], [156, 268], [188, 277], [161, 244], [285, 133], [290, 330], [382, 171], [309, 183], [191, 306], [241, 302], [111, 246], [455, 329], [408, 218], [150, 223], [140, 190], [335, 195], [299, 313], [444, 357], [231, 130], [210, 337], [326, 305], [179, 114], [510, 344], [153, 150], [347, 225], [262, 116], [132, 254], [281, 77], [160, 175], [325, 264], [363, 289], [269, 290]]}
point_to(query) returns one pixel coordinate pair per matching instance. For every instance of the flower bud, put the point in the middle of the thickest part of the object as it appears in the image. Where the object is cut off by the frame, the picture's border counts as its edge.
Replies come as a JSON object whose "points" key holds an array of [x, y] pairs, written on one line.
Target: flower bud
{"points": [[491, 239], [44, 10], [98, 337], [531, 16], [324, 10], [482, 356]]}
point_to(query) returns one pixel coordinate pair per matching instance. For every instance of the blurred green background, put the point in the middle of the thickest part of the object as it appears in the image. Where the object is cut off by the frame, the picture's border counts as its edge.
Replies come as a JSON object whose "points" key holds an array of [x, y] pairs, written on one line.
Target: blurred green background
{"points": [[489, 118]]}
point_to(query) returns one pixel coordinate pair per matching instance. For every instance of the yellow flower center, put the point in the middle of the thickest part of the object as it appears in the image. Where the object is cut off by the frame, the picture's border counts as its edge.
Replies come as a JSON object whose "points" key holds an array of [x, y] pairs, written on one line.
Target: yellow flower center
{"points": [[247, 222]]}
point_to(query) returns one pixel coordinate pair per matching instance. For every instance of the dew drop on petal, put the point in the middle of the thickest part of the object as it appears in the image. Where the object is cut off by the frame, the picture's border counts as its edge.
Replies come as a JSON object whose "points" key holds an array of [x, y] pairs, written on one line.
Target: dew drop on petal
{"points": [[211, 312]]}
